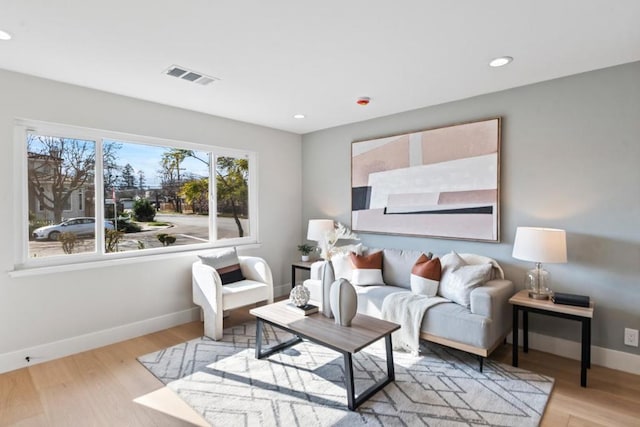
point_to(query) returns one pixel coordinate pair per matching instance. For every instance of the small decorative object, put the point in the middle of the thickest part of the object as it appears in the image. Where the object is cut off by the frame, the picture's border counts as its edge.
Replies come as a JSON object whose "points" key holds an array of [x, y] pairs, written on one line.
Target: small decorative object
{"points": [[305, 250], [571, 299], [299, 295], [343, 301], [539, 245]]}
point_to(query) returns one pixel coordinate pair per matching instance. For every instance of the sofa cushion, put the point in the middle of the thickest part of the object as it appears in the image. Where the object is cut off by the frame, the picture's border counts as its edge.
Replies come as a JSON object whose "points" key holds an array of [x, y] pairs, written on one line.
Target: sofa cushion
{"points": [[455, 322], [397, 265], [226, 264], [367, 269], [237, 294], [425, 276], [459, 278], [370, 298]]}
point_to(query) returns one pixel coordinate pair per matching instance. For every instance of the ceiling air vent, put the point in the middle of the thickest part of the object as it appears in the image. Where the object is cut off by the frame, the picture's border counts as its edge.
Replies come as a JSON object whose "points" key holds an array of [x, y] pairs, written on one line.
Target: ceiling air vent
{"points": [[189, 75]]}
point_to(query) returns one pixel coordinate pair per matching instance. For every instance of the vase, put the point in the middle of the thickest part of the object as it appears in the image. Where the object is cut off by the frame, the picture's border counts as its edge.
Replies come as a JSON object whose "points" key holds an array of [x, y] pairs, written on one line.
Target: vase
{"points": [[299, 295], [305, 258], [343, 301]]}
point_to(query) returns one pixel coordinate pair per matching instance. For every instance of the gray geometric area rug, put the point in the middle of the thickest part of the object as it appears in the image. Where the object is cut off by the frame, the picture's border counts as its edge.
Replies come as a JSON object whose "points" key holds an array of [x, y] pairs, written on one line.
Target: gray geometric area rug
{"points": [[304, 385]]}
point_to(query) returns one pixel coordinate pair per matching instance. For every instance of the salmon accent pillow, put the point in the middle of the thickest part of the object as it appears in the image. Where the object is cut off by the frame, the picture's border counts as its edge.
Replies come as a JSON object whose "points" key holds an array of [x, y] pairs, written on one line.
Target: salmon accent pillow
{"points": [[425, 276], [367, 269]]}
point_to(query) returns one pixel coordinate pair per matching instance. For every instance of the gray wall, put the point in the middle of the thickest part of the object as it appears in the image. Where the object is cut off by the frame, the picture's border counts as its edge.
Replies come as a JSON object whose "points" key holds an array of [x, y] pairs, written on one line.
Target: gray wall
{"points": [[41, 309], [570, 159]]}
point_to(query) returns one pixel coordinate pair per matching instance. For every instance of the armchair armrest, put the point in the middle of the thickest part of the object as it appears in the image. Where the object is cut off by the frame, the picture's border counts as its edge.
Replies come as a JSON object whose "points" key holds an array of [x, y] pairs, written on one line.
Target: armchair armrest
{"points": [[207, 285], [256, 268]]}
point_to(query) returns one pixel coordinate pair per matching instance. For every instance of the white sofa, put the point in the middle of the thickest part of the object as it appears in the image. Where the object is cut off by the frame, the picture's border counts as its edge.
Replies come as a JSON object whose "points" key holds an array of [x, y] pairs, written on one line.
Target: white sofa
{"points": [[478, 329], [215, 298]]}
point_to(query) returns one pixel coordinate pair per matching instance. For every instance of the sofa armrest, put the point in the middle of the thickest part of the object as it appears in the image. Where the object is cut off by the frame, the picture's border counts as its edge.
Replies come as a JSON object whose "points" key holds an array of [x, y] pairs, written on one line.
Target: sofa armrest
{"points": [[317, 270], [491, 299]]}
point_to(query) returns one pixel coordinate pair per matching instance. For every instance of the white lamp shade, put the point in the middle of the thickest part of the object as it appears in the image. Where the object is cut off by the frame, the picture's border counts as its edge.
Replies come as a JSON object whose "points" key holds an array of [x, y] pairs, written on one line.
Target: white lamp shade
{"points": [[318, 229], [540, 245]]}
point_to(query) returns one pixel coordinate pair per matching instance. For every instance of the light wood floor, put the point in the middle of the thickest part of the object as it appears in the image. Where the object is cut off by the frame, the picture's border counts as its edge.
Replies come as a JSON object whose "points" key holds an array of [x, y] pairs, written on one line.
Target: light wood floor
{"points": [[98, 387]]}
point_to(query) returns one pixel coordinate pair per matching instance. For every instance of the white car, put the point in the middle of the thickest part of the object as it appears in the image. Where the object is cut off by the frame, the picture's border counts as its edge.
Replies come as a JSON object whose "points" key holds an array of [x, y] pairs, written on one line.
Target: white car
{"points": [[83, 226]]}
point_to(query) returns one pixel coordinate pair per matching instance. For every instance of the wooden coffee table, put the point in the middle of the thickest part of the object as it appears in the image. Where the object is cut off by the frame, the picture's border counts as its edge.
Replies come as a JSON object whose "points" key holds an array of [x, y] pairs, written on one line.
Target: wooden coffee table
{"points": [[347, 340]]}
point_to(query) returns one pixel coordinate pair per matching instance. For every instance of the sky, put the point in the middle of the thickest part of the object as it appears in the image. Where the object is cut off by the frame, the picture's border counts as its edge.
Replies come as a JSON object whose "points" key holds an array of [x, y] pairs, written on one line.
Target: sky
{"points": [[148, 159]]}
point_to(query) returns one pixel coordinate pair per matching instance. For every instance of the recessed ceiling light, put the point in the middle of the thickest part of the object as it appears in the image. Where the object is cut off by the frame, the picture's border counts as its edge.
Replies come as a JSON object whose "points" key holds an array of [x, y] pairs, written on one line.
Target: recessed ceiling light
{"points": [[501, 61], [298, 116], [4, 35]]}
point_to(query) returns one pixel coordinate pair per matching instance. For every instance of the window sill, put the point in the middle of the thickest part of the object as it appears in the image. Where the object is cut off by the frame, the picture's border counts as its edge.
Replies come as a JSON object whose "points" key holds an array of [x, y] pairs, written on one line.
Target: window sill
{"points": [[62, 268]]}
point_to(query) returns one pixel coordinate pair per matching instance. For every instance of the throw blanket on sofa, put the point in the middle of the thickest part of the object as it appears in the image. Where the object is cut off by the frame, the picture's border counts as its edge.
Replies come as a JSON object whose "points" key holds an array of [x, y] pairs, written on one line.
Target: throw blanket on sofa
{"points": [[407, 309]]}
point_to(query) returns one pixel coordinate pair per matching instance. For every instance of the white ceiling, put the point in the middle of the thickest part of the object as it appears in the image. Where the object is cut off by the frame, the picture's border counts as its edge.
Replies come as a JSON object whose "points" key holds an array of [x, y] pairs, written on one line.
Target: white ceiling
{"points": [[277, 58]]}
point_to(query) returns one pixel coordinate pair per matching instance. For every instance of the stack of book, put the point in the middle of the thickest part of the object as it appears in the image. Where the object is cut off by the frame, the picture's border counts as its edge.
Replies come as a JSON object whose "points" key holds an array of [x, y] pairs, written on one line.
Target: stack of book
{"points": [[305, 310]]}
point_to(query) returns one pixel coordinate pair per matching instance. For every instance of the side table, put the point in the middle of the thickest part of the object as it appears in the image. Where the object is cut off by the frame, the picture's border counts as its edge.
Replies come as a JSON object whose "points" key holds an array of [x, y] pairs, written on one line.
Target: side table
{"points": [[299, 265], [522, 302]]}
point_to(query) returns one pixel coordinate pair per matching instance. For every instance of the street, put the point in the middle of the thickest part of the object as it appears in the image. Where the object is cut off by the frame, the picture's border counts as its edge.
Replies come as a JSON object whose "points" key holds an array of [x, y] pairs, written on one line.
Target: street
{"points": [[188, 229]]}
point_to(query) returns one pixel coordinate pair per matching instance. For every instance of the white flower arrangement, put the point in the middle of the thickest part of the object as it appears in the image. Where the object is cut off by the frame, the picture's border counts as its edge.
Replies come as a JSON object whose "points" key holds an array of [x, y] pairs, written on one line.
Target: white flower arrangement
{"points": [[340, 232]]}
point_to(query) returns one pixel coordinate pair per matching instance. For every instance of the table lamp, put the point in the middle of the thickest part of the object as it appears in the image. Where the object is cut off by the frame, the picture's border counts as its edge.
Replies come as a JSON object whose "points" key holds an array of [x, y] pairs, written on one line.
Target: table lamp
{"points": [[317, 231], [539, 245]]}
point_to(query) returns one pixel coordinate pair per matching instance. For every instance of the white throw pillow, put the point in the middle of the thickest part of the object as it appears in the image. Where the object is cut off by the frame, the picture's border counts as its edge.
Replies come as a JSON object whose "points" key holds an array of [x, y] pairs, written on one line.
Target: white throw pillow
{"points": [[459, 278], [342, 267], [347, 249]]}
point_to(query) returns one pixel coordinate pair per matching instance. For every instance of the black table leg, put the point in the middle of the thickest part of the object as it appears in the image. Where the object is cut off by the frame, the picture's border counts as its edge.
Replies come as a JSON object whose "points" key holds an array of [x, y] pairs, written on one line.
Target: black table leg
{"points": [[585, 359], [525, 331], [391, 372], [348, 380], [258, 337], [293, 276], [274, 349], [354, 401], [514, 338]]}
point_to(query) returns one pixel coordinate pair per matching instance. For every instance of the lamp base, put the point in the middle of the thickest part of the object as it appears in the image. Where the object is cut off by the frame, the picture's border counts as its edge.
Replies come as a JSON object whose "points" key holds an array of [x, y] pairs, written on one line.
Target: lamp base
{"points": [[538, 296]]}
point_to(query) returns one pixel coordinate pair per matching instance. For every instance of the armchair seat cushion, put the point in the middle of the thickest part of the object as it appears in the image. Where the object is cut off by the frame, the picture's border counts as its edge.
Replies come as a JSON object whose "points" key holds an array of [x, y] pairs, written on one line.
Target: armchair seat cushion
{"points": [[237, 294]]}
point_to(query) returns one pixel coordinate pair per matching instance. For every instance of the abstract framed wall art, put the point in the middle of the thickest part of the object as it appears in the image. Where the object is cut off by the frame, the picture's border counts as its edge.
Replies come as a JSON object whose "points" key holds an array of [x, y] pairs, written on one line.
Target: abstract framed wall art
{"points": [[442, 182]]}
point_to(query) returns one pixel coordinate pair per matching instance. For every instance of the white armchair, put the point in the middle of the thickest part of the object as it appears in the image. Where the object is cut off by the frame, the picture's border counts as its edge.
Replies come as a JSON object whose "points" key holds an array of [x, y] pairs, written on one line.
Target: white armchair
{"points": [[214, 298]]}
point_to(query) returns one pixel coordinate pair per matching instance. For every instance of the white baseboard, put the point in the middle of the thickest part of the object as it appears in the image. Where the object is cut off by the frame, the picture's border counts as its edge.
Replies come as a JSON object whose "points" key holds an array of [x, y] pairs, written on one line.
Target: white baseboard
{"points": [[66, 347], [281, 290], [601, 356], [608, 358]]}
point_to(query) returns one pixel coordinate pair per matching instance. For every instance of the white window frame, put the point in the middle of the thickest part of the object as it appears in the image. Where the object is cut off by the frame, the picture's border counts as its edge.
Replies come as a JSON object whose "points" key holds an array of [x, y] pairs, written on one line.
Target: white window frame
{"points": [[21, 247]]}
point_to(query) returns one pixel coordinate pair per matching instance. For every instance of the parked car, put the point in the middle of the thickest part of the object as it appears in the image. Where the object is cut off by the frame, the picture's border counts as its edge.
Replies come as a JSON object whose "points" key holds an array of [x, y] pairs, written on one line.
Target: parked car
{"points": [[83, 226]]}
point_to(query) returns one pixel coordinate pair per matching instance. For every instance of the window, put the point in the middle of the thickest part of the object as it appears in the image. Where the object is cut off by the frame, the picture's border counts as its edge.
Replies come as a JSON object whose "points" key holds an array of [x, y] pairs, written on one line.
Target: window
{"points": [[154, 196]]}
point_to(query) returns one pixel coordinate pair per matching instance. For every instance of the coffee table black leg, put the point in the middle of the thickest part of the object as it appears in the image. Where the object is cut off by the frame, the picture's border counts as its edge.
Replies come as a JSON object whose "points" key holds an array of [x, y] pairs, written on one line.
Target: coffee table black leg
{"points": [[355, 401], [391, 372], [258, 337], [348, 381], [514, 338], [274, 349]]}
